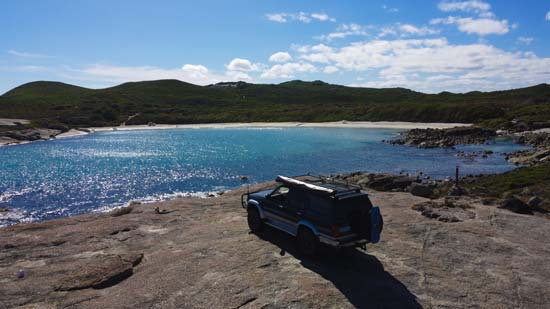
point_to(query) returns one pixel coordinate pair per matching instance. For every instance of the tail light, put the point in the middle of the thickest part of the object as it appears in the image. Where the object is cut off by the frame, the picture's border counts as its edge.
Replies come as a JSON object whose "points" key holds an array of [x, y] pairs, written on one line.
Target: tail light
{"points": [[336, 230]]}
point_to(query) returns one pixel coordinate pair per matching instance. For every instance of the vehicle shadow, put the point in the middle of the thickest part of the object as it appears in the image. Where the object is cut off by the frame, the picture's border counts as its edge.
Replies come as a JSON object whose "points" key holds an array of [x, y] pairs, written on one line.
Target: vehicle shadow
{"points": [[358, 275]]}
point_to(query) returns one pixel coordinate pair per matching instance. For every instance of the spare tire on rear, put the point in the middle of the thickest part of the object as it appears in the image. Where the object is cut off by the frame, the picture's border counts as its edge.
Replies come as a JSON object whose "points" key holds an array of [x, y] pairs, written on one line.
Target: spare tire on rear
{"points": [[361, 223]]}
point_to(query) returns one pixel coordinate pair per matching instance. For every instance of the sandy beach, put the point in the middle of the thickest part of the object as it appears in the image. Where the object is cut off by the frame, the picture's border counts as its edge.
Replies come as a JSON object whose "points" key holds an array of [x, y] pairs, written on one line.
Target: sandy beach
{"points": [[12, 122], [336, 124]]}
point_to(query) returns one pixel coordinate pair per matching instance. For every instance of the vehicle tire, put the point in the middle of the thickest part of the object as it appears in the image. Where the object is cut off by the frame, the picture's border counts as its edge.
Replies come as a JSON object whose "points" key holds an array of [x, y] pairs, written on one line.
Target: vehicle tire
{"points": [[255, 222], [308, 243]]}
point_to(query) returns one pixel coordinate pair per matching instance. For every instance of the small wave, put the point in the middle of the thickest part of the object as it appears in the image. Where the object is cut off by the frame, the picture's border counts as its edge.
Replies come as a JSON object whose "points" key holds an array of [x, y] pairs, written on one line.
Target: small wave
{"points": [[119, 154], [158, 198], [9, 195], [14, 216]]}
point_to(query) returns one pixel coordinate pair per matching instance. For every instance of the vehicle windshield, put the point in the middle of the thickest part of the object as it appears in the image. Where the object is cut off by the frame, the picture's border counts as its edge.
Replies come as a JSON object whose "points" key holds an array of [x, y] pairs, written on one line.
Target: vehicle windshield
{"points": [[279, 194]]}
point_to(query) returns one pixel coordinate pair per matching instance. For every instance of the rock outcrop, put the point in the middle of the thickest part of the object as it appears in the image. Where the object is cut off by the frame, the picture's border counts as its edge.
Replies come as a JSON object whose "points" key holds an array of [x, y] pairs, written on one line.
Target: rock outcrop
{"points": [[27, 135], [540, 154], [379, 181], [431, 138], [516, 205], [421, 190], [199, 254]]}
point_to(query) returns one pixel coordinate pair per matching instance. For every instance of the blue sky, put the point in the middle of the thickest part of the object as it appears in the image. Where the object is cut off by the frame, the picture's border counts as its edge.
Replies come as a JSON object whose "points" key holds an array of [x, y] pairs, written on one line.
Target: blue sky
{"points": [[428, 46]]}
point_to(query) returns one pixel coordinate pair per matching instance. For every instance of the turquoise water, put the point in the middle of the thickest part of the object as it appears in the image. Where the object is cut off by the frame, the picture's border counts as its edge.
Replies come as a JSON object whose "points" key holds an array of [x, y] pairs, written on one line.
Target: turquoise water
{"points": [[46, 180]]}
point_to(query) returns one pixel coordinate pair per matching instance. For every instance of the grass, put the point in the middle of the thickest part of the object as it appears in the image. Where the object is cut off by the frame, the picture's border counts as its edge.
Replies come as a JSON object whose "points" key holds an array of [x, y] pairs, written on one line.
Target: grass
{"points": [[172, 101], [533, 179]]}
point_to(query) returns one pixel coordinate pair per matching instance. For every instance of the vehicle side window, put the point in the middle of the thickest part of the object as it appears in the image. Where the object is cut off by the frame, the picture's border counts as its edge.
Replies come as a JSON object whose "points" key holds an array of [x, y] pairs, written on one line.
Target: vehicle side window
{"points": [[297, 199], [280, 194], [319, 208]]}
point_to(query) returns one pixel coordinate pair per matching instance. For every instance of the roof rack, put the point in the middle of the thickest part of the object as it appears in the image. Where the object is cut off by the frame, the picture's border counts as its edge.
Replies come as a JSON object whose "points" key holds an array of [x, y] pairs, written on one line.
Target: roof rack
{"points": [[320, 184]]}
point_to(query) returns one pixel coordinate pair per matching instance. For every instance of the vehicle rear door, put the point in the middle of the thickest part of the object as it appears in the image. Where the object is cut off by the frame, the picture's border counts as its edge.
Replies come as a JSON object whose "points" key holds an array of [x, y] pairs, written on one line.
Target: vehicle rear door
{"points": [[296, 204]]}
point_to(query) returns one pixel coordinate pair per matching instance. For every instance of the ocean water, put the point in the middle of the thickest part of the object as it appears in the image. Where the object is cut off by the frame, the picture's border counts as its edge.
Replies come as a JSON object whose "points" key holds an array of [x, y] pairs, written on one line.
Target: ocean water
{"points": [[95, 172]]}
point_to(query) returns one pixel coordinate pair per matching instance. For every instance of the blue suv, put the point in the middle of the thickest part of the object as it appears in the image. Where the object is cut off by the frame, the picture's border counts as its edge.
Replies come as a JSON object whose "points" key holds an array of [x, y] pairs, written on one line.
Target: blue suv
{"points": [[315, 210]]}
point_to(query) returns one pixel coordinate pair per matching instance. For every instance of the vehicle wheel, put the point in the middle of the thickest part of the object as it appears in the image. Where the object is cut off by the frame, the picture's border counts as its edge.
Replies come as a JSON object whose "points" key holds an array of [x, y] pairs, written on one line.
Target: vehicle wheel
{"points": [[255, 223], [308, 243]]}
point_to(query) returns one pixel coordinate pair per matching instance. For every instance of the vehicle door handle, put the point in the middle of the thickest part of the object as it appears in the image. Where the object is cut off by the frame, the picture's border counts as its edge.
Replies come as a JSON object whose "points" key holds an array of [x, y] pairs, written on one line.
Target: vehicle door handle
{"points": [[281, 206]]}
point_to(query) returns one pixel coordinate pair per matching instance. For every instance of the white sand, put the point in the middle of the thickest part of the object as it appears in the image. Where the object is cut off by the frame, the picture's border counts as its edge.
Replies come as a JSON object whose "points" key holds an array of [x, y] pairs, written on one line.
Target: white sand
{"points": [[338, 124], [71, 133], [12, 122]]}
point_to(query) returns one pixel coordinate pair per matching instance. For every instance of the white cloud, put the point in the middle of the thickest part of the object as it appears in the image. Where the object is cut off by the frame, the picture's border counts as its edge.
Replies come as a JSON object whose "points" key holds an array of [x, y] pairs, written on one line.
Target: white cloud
{"points": [[301, 17], [277, 17], [525, 40], [390, 9], [547, 17], [25, 68], [480, 26], [465, 6], [410, 29], [435, 64], [25, 54], [329, 69], [385, 31], [343, 31], [322, 17], [238, 76], [195, 71], [104, 74], [483, 24], [288, 70], [239, 64], [280, 57]]}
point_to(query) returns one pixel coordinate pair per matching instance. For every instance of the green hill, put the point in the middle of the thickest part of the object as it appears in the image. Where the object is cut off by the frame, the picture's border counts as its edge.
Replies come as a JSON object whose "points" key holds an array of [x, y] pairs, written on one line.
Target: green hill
{"points": [[172, 101]]}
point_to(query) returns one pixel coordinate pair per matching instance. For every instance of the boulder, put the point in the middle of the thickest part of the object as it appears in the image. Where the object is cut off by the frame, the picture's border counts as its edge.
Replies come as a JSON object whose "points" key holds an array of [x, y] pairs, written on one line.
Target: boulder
{"points": [[402, 182], [534, 201], [98, 272], [421, 190], [387, 182], [539, 155], [455, 191], [121, 211], [516, 205], [7, 140], [430, 138]]}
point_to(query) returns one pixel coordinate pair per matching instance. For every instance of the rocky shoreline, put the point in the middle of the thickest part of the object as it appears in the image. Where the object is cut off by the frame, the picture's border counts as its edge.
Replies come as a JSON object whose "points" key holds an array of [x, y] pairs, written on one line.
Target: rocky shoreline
{"points": [[442, 246], [27, 135], [22, 136], [198, 253], [447, 189], [534, 198], [450, 137], [539, 154], [432, 138]]}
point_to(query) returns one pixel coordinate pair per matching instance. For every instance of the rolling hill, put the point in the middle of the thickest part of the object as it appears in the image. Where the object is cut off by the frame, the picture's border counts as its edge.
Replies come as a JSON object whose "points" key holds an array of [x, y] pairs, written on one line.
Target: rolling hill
{"points": [[172, 101]]}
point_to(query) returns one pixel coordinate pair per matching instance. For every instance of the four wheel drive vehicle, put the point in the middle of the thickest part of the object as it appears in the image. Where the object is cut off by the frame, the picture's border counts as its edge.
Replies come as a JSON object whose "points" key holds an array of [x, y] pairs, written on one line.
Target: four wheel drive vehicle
{"points": [[315, 210]]}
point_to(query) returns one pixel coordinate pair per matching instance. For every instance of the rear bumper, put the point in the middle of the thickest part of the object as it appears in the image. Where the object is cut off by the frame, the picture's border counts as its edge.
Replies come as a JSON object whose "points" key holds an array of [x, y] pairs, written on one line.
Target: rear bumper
{"points": [[339, 242]]}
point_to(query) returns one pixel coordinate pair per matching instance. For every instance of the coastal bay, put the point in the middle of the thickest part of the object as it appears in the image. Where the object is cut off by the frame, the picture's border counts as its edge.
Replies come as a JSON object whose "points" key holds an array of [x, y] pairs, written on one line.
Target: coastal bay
{"points": [[96, 172]]}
